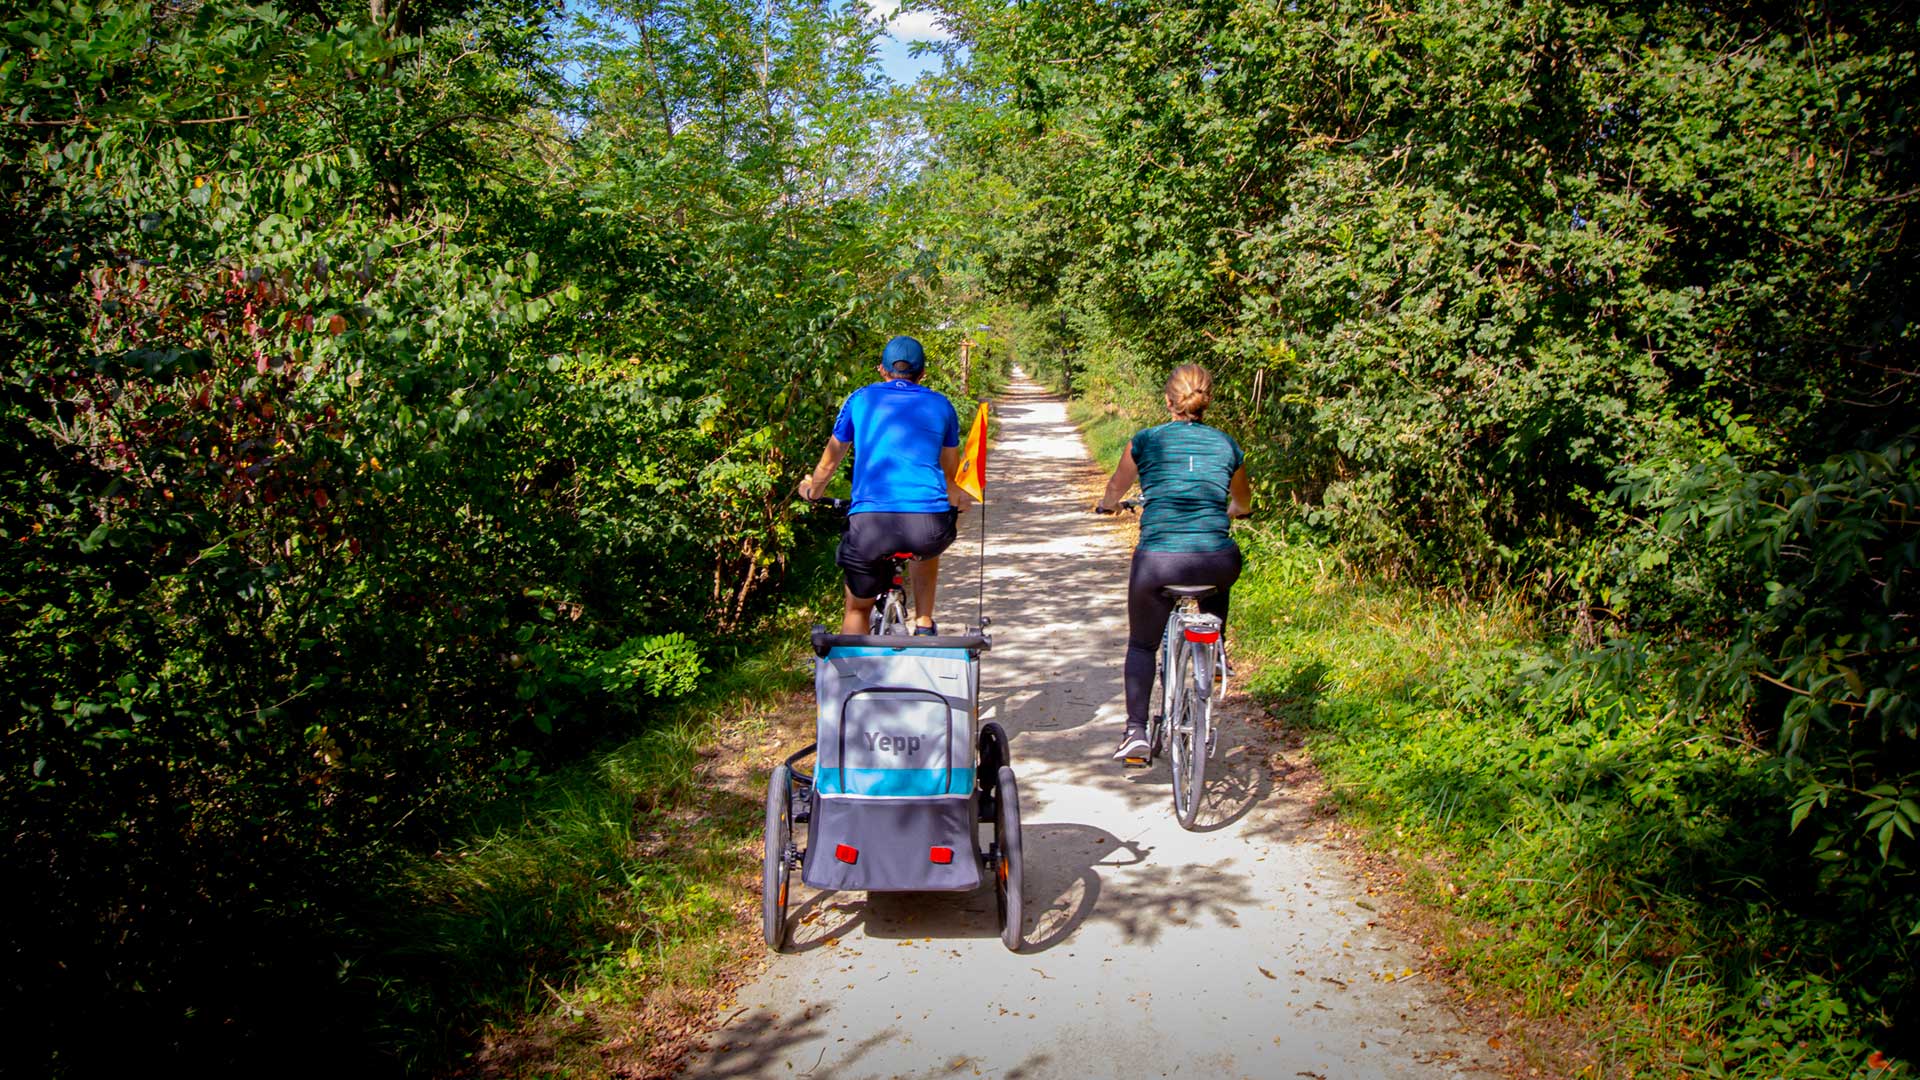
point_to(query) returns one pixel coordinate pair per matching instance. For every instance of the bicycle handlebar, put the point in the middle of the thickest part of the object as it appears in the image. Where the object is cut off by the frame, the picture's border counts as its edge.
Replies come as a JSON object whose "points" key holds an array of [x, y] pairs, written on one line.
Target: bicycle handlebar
{"points": [[1125, 504]]}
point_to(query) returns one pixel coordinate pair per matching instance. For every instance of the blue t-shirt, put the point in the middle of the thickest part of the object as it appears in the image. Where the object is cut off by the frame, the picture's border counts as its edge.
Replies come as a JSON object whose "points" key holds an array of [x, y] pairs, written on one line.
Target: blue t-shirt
{"points": [[897, 429]]}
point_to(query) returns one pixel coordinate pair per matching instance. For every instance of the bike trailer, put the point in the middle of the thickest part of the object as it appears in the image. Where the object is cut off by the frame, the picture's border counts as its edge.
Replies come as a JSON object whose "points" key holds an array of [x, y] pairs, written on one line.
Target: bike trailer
{"points": [[895, 801]]}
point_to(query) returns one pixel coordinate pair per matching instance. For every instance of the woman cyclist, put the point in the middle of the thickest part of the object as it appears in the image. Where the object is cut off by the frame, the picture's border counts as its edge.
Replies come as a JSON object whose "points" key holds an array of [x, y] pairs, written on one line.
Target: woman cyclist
{"points": [[1192, 479]]}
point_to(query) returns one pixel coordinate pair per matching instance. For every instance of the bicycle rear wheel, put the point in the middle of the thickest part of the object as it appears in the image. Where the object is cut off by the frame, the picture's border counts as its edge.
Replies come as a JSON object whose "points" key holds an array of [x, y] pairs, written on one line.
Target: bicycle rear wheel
{"points": [[1180, 744], [890, 614], [1199, 716]]}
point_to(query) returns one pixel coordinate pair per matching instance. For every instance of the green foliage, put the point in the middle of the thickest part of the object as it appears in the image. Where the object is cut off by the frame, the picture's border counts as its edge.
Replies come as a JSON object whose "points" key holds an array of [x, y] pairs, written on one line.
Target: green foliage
{"points": [[663, 665], [1825, 663], [401, 397]]}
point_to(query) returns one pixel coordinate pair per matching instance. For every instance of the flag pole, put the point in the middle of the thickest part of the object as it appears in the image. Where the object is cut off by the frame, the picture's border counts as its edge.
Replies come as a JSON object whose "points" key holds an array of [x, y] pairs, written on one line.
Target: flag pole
{"points": [[980, 601], [970, 476], [980, 604]]}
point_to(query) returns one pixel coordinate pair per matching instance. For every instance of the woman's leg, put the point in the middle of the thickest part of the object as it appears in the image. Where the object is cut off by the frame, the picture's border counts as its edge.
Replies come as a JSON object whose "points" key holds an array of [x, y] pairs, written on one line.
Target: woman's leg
{"points": [[1147, 613]]}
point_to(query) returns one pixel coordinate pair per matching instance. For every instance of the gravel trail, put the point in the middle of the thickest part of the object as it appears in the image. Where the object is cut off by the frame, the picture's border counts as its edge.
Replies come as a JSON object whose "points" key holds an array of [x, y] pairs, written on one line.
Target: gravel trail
{"points": [[1240, 950]]}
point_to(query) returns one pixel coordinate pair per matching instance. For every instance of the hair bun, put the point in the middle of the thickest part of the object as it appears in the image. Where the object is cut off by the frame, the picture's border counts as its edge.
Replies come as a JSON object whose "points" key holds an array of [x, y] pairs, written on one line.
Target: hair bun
{"points": [[1189, 391]]}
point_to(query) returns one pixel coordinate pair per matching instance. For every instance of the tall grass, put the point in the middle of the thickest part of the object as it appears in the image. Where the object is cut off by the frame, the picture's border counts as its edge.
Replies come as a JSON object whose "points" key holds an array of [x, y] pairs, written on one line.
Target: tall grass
{"points": [[1600, 856], [1107, 429], [609, 897]]}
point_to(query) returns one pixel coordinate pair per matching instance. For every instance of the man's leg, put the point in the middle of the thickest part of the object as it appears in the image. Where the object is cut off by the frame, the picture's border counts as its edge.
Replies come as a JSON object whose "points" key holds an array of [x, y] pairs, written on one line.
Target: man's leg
{"points": [[864, 574], [931, 535], [926, 581], [858, 617]]}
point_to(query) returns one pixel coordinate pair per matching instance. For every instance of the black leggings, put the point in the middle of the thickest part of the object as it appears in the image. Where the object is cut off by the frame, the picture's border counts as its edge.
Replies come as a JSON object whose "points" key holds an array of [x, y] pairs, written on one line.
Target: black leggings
{"points": [[1148, 608]]}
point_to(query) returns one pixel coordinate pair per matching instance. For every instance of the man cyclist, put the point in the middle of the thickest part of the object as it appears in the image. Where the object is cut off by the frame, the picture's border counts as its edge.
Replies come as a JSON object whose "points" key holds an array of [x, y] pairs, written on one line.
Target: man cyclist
{"points": [[904, 499], [1192, 478]]}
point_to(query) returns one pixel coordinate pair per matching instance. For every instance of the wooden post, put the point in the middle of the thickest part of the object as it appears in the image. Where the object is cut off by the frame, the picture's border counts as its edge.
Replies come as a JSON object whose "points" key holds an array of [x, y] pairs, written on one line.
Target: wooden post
{"points": [[966, 366]]}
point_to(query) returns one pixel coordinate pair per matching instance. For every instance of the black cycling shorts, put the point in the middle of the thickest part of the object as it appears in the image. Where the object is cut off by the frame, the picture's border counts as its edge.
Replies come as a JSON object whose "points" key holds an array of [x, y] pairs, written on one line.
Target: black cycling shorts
{"points": [[873, 538]]}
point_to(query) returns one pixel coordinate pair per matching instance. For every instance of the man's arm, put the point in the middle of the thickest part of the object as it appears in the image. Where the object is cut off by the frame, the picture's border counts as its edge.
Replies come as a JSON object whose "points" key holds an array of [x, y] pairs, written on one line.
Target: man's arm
{"points": [[812, 485], [1124, 474], [949, 465], [1239, 494]]}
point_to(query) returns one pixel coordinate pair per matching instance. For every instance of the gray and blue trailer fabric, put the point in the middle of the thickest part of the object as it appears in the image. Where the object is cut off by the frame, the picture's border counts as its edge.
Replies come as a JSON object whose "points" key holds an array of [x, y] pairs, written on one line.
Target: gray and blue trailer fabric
{"points": [[894, 807]]}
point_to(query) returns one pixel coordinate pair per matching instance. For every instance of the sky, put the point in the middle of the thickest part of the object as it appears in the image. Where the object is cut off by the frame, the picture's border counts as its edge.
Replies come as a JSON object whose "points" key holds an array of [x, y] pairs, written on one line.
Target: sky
{"points": [[902, 31]]}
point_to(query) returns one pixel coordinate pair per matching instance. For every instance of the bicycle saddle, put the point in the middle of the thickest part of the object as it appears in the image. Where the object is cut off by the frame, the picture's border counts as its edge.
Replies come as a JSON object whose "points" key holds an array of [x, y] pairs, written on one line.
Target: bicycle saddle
{"points": [[1195, 591]]}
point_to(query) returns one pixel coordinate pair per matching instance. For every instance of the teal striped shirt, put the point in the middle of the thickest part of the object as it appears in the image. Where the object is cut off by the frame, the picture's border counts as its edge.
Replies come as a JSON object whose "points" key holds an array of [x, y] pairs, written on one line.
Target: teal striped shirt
{"points": [[1185, 472]]}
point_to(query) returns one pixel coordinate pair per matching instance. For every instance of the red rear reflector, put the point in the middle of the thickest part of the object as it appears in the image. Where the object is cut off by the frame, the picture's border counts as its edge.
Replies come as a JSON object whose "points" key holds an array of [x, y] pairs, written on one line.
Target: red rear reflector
{"points": [[846, 854], [1204, 637], [897, 581], [903, 554], [942, 855]]}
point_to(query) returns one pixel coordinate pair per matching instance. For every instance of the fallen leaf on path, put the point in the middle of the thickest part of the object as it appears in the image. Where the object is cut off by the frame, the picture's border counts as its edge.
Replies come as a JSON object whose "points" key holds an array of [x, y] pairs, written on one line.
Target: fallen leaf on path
{"points": [[1267, 973]]}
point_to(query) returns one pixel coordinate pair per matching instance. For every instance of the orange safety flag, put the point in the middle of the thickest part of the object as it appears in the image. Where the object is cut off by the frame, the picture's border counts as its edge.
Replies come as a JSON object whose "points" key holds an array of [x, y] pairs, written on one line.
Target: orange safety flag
{"points": [[971, 476]]}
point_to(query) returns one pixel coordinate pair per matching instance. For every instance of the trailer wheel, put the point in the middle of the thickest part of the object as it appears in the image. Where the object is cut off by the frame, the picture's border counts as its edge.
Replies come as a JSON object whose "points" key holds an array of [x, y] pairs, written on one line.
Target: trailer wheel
{"points": [[1007, 874], [775, 864], [995, 750]]}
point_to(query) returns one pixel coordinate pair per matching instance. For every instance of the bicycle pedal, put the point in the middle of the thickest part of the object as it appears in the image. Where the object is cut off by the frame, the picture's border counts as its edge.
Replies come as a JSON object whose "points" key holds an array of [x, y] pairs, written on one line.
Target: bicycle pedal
{"points": [[1136, 763]]}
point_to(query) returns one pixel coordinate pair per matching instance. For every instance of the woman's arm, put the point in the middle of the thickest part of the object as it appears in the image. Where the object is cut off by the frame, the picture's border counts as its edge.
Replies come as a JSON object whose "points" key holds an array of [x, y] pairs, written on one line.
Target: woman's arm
{"points": [[1239, 494], [1124, 474]]}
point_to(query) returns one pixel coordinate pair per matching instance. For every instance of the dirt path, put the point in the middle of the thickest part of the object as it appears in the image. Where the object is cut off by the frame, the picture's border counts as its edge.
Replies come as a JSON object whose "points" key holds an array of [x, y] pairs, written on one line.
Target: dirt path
{"points": [[1240, 950]]}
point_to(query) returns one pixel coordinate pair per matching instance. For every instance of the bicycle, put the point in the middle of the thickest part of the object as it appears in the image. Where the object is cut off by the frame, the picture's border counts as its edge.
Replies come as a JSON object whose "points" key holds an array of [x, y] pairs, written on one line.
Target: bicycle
{"points": [[1193, 668], [891, 610]]}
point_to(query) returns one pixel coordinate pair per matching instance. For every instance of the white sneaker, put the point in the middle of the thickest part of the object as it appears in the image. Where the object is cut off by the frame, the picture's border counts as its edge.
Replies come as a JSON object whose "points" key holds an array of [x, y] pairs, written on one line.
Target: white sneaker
{"points": [[1134, 752]]}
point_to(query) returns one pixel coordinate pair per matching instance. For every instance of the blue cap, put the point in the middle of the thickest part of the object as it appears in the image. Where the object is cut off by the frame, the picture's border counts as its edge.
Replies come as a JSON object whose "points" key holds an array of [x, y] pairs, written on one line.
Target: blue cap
{"points": [[904, 356]]}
